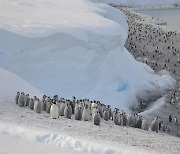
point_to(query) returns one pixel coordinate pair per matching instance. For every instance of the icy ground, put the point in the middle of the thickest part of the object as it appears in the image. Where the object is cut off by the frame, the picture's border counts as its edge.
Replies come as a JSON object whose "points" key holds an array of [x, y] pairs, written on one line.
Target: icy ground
{"points": [[79, 135]]}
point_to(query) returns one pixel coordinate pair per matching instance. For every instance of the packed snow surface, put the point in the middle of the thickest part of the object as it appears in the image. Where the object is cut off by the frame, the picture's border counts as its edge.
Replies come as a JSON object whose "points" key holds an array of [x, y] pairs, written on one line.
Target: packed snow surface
{"points": [[73, 48]]}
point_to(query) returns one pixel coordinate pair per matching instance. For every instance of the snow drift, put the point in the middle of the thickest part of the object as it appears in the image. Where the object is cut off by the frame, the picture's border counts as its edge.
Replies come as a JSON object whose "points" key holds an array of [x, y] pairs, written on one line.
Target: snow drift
{"points": [[64, 141], [11, 83], [74, 48]]}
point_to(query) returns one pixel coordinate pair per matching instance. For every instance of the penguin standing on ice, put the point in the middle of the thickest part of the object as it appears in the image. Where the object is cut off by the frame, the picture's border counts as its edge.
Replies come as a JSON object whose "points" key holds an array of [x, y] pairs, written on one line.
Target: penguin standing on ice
{"points": [[37, 106], [131, 120], [54, 111], [22, 100], [68, 111], [144, 125], [124, 119], [48, 106], [62, 107], [78, 113], [27, 100], [17, 97], [31, 104], [43, 103], [106, 114], [86, 113], [96, 118], [155, 125]]}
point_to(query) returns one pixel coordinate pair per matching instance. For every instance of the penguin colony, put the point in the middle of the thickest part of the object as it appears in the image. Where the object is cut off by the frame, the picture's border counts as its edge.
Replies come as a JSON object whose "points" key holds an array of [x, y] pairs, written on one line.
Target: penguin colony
{"points": [[156, 47], [86, 110]]}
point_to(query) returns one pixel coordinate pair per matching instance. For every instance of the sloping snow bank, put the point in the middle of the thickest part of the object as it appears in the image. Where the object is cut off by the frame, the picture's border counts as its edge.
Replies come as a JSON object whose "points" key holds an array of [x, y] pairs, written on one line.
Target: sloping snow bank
{"points": [[137, 2], [63, 141], [11, 83]]}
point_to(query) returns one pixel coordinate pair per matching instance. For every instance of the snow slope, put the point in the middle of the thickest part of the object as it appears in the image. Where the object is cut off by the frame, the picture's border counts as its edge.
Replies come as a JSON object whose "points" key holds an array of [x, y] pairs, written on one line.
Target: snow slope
{"points": [[74, 48], [11, 83], [137, 2]]}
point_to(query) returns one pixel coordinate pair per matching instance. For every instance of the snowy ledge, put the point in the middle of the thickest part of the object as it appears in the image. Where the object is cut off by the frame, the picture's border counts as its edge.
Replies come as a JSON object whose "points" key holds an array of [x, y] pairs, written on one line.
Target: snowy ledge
{"points": [[63, 141]]}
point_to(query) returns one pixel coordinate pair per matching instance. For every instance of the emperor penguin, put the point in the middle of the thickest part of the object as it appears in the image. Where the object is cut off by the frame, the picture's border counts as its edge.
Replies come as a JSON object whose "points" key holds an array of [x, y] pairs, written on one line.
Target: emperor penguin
{"points": [[17, 97], [43, 103], [86, 113], [100, 108], [78, 113], [124, 119], [48, 106], [115, 114], [54, 111], [139, 122], [131, 120], [95, 109], [76, 106], [27, 100], [22, 100], [110, 111], [144, 125], [62, 107], [118, 119], [93, 104], [106, 114], [31, 104], [68, 111], [155, 125], [37, 106], [96, 118], [58, 103]]}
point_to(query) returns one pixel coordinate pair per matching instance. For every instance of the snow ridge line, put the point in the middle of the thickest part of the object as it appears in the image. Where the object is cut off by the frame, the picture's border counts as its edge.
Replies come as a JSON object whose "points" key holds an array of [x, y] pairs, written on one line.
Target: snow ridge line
{"points": [[60, 140]]}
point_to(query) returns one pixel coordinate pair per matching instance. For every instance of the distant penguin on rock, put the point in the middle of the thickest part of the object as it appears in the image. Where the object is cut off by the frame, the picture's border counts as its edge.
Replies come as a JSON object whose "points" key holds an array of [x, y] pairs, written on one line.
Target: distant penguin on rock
{"points": [[155, 125], [31, 104], [22, 100], [37, 106], [96, 118], [106, 114], [86, 113], [27, 100], [144, 125], [78, 113], [68, 111], [54, 111], [17, 97]]}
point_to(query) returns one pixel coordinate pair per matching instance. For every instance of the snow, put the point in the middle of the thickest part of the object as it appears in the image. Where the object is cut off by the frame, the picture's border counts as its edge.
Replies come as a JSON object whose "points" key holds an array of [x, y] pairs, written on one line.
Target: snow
{"points": [[74, 48], [67, 143], [11, 83], [137, 2], [30, 129]]}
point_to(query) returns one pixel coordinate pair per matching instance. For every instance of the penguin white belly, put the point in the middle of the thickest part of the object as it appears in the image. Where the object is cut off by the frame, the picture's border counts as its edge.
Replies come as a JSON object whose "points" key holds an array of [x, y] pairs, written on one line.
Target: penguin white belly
{"points": [[54, 111]]}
